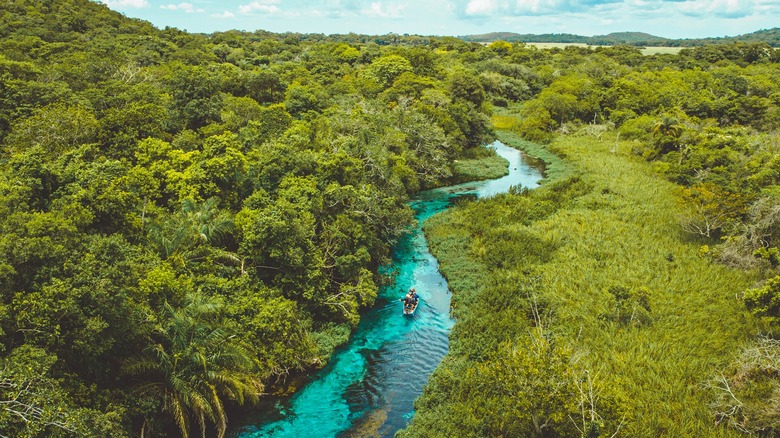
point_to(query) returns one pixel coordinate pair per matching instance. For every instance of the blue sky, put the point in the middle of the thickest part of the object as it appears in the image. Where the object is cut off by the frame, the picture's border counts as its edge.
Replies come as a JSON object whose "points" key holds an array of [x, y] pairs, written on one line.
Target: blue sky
{"points": [[666, 18]]}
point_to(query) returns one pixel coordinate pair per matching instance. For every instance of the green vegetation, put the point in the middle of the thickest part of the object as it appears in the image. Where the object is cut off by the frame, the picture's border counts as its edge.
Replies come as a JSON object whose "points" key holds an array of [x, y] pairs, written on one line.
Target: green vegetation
{"points": [[488, 166], [188, 220], [593, 268], [624, 296]]}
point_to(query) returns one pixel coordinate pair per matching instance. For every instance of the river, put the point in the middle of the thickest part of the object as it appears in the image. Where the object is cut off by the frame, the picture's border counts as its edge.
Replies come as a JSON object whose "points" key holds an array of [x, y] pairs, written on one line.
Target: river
{"points": [[369, 386]]}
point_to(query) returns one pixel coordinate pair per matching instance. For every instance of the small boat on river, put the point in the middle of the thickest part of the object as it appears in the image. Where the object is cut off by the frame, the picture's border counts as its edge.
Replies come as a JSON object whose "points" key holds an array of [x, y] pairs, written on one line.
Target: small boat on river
{"points": [[411, 308], [411, 301]]}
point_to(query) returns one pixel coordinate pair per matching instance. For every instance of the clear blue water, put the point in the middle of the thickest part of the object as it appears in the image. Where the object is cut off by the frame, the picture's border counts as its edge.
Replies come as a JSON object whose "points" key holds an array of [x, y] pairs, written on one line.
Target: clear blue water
{"points": [[369, 386]]}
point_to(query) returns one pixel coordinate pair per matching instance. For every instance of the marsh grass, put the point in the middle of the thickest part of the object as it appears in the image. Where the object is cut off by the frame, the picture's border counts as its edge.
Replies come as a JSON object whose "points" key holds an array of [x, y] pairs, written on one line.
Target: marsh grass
{"points": [[626, 232], [503, 121], [476, 169], [604, 220]]}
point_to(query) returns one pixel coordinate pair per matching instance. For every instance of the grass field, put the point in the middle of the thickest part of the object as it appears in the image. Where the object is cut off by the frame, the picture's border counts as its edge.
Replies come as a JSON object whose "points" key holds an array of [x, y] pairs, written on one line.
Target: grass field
{"points": [[661, 50], [556, 45], [645, 50]]}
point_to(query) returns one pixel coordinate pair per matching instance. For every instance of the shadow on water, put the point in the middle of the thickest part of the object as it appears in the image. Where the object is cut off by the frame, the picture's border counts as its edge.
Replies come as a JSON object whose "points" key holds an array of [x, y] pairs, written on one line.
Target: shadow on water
{"points": [[369, 386]]}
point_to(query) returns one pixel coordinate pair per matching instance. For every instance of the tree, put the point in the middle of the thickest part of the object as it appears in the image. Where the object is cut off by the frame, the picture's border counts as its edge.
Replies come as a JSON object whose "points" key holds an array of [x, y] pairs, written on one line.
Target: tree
{"points": [[270, 123], [537, 124], [300, 99], [388, 67], [122, 128], [409, 85], [238, 111], [57, 128], [196, 100], [193, 234], [33, 403], [262, 85], [276, 328], [88, 314], [711, 208], [278, 239], [501, 48], [765, 301], [667, 132], [466, 86], [220, 171], [192, 366]]}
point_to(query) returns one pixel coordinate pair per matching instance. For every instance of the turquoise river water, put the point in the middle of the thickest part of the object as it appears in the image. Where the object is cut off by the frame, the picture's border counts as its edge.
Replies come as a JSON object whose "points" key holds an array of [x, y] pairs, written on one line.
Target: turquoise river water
{"points": [[369, 386]]}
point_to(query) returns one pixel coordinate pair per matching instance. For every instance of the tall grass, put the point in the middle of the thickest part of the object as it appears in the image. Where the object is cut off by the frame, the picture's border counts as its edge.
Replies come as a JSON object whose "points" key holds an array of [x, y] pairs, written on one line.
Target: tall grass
{"points": [[625, 232], [613, 226], [476, 169]]}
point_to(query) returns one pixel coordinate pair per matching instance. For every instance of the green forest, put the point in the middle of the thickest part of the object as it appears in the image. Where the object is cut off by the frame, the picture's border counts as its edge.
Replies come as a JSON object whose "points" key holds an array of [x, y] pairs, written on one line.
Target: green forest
{"points": [[190, 221]]}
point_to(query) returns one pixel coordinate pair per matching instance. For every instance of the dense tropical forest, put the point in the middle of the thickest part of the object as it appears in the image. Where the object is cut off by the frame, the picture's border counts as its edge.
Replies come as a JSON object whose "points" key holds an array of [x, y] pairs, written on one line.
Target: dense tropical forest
{"points": [[189, 221]]}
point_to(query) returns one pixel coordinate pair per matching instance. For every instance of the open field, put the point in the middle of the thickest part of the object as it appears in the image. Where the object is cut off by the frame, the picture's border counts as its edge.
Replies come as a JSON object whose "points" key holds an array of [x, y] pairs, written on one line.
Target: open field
{"points": [[661, 50], [556, 45], [645, 50]]}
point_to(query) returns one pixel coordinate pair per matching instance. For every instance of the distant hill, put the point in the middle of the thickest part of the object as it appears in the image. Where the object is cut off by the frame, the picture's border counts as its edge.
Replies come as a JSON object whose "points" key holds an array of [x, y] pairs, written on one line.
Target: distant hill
{"points": [[631, 38], [527, 38], [769, 36]]}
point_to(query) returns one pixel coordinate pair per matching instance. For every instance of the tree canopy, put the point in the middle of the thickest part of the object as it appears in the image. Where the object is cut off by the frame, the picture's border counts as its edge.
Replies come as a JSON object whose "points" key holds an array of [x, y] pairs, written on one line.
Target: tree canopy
{"points": [[186, 217]]}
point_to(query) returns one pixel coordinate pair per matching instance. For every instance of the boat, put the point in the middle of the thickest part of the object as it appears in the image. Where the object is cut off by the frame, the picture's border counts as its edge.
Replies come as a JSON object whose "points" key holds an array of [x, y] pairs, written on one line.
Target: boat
{"points": [[409, 310]]}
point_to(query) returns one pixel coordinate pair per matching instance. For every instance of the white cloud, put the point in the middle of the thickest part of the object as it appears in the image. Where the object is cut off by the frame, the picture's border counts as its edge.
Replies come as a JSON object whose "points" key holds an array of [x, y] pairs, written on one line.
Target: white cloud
{"points": [[260, 6], [721, 8], [186, 7], [226, 14], [772, 6], [342, 5], [525, 8], [118, 4], [732, 8], [480, 7], [377, 9], [533, 6]]}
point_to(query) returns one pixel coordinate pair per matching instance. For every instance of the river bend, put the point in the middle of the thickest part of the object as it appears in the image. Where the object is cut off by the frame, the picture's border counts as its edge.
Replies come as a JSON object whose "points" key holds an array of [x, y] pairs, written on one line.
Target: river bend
{"points": [[369, 386]]}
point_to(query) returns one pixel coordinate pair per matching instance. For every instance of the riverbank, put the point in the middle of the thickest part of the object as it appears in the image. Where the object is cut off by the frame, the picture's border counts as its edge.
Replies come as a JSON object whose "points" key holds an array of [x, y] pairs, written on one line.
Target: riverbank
{"points": [[480, 165], [584, 304], [369, 385]]}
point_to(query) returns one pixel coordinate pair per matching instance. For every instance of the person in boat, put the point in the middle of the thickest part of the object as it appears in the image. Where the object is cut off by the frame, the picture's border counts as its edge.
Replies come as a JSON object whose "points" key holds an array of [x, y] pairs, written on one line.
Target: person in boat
{"points": [[415, 297], [410, 300]]}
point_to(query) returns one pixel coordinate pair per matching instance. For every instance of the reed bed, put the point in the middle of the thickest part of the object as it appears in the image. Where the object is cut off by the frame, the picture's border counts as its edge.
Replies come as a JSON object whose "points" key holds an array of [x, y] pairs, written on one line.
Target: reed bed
{"points": [[603, 224]]}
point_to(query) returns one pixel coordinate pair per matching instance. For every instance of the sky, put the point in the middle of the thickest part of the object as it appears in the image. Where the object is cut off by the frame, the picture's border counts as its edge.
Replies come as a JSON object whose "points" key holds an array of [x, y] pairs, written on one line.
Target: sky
{"points": [[664, 18]]}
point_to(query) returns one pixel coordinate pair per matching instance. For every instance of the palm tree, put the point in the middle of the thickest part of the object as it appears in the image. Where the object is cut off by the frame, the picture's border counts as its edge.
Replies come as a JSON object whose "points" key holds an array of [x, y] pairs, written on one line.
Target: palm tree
{"points": [[190, 234], [208, 223], [668, 126], [668, 130], [193, 365]]}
